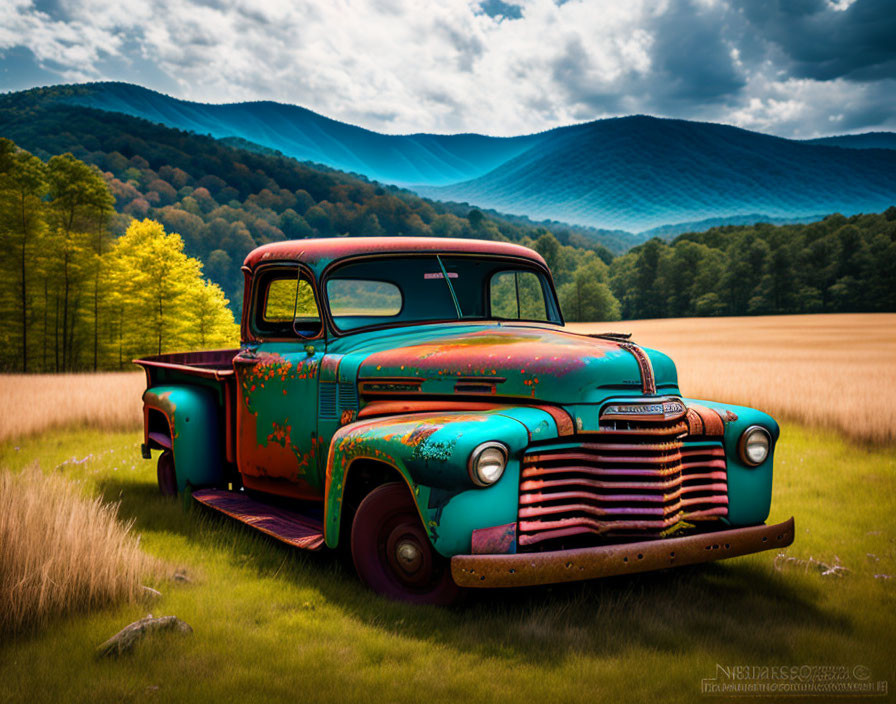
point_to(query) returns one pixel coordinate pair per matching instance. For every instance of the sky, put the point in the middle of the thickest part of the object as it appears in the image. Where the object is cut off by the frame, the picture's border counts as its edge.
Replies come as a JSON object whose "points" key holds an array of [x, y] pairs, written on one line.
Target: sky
{"points": [[795, 68]]}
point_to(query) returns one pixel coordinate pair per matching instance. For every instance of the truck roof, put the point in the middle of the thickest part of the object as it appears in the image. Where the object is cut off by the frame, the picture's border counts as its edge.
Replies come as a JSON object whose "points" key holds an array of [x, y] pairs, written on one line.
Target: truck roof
{"points": [[318, 253]]}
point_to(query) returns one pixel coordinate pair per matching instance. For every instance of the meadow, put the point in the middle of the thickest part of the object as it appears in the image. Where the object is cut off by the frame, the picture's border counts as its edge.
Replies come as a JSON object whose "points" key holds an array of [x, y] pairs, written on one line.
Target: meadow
{"points": [[272, 623], [275, 624], [835, 371], [40, 402]]}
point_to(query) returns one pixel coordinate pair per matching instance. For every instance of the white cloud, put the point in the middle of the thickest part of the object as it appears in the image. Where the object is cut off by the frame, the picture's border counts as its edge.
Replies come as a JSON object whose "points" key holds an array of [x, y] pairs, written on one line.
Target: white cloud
{"points": [[808, 108], [404, 66]]}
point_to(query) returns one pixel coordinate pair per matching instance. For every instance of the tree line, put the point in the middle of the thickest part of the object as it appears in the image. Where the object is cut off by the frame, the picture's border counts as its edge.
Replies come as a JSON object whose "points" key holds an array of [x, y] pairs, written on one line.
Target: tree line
{"points": [[73, 296], [224, 201], [836, 265]]}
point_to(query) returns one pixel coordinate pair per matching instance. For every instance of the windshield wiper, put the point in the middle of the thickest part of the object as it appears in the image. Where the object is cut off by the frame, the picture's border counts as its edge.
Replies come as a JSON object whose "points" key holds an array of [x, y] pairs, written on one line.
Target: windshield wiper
{"points": [[450, 287]]}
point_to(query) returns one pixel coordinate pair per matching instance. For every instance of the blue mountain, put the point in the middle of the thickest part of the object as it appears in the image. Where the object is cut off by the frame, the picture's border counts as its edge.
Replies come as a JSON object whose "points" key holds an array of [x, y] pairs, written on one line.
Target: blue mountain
{"points": [[633, 173], [638, 173], [300, 133], [867, 140]]}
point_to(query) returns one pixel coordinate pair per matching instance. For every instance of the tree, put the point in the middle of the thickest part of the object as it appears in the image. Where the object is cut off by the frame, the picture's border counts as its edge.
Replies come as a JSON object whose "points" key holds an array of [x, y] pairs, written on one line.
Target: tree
{"points": [[23, 185], [158, 290], [294, 226], [588, 298], [549, 248], [649, 302], [212, 321], [80, 204]]}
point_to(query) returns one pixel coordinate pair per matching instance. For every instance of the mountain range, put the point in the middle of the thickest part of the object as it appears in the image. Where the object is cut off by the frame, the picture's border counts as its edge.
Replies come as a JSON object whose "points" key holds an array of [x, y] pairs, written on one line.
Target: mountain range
{"points": [[635, 174]]}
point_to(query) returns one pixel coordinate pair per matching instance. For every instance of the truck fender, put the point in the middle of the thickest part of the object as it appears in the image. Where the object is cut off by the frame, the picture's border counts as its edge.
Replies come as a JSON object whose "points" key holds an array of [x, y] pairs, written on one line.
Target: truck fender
{"points": [[749, 488], [193, 431], [430, 451]]}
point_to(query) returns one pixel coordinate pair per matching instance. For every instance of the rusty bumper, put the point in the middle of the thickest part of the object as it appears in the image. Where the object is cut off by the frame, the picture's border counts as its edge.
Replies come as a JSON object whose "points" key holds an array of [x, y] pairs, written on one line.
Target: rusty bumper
{"points": [[525, 569]]}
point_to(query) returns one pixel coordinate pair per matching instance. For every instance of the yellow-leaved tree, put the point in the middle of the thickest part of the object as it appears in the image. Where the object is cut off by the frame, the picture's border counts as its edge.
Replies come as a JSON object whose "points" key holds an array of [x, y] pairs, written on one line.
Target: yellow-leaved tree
{"points": [[161, 301]]}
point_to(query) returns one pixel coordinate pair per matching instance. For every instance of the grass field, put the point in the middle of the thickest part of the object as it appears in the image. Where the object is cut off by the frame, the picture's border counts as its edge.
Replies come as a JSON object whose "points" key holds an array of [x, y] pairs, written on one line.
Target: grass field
{"points": [[38, 402], [830, 371], [63, 551], [275, 624], [272, 623]]}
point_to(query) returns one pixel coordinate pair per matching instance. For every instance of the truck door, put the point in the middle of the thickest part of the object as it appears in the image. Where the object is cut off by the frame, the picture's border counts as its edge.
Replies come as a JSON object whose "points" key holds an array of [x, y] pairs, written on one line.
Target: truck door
{"points": [[277, 385]]}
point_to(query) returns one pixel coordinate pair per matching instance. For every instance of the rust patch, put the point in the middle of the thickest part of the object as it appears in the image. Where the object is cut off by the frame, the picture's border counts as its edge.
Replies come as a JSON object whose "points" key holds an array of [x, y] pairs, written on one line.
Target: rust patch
{"points": [[321, 251], [287, 526], [384, 408], [329, 367], [528, 356], [526, 569], [712, 422], [695, 422], [565, 425], [648, 381], [495, 540]]}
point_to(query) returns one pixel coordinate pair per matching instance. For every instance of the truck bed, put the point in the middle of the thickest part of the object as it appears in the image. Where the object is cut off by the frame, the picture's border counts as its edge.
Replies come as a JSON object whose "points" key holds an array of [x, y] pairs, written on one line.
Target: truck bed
{"points": [[211, 364], [213, 370]]}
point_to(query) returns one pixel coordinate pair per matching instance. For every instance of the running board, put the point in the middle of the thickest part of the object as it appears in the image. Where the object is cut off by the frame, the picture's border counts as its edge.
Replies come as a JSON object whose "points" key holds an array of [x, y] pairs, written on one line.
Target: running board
{"points": [[292, 528]]}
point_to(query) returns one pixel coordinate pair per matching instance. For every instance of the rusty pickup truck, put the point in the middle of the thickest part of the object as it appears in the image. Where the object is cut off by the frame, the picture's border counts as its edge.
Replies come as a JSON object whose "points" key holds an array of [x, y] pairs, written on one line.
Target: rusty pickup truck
{"points": [[419, 402]]}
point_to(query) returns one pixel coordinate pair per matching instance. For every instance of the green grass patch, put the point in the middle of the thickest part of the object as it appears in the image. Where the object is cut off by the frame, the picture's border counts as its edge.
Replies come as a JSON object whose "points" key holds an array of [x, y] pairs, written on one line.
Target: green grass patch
{"points": [[273, 623]]}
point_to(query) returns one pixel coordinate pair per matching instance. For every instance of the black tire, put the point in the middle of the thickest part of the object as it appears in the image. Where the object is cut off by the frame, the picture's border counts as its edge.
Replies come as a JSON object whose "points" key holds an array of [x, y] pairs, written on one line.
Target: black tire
{"points": [[166, 474], [392, 553]]}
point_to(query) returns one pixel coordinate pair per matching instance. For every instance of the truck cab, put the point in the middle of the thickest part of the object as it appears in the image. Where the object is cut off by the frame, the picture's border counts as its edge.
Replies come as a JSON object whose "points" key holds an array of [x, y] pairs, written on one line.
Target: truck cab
{"points": [[420, 402]]}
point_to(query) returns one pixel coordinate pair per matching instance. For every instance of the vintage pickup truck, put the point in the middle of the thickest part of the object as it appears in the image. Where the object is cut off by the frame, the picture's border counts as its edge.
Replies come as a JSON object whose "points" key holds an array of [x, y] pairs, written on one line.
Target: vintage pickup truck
{"points": [[419, 402]]}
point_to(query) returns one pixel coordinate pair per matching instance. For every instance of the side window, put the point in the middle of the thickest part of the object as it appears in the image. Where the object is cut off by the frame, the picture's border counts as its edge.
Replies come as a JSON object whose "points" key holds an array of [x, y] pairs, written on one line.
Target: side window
{"points": [[286, 306], [517, 295]]}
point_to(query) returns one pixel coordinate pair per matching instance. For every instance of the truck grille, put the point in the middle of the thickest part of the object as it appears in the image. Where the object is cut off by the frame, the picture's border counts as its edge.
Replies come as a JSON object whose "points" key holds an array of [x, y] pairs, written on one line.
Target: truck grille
{"points": [[633, 479]]}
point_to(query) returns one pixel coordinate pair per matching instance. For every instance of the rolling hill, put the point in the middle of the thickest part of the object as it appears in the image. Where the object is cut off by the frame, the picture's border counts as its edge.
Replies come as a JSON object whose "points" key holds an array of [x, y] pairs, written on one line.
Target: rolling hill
{"points": [[638, 173], [868, 140], [635, 174], [300, 133]]}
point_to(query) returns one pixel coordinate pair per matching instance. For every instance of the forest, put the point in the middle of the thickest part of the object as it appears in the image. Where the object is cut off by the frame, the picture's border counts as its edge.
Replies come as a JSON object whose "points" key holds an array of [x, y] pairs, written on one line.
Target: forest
{"points": [[82, 190], [75, 297], [225, 200], [836, 265]]}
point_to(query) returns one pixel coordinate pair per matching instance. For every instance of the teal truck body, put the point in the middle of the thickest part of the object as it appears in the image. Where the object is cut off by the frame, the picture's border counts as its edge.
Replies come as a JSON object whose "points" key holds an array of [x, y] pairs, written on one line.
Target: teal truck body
{"points": [[420, 402]]}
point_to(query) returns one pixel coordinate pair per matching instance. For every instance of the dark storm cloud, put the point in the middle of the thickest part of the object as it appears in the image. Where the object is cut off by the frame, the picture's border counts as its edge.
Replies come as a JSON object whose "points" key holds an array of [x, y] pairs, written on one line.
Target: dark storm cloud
{"points": [[819, 42], [692, 64], [692, 55]]}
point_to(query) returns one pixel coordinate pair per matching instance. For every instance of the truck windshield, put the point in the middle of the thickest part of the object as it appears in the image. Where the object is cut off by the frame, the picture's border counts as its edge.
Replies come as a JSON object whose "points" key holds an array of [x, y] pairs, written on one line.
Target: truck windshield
{"points": [[423, 288]]}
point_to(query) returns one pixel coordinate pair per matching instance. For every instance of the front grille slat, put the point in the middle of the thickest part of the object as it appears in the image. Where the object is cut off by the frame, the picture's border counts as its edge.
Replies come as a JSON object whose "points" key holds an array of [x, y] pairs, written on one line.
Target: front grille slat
{"points": [[633, 479]]}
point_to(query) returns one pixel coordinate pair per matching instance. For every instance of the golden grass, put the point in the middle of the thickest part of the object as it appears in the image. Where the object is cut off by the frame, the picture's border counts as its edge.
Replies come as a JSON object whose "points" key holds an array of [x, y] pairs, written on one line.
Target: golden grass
{"points": [[33, 403], [62, 551], [829, 371]]}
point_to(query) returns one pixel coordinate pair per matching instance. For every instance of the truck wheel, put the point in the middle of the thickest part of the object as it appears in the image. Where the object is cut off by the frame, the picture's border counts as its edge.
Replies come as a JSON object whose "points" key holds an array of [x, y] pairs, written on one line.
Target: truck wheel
{"points": [[166, 475], [392, 553]]}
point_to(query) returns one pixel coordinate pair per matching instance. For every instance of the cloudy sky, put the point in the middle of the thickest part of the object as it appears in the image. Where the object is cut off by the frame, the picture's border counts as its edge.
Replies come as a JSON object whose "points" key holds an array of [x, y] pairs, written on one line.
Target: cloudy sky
{"points": [[798, 68]]}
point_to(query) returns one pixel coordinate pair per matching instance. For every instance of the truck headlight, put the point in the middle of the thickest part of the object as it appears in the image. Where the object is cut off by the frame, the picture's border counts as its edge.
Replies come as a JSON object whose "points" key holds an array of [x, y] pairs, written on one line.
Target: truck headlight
{"points": [[754, 445], [487, 463]]}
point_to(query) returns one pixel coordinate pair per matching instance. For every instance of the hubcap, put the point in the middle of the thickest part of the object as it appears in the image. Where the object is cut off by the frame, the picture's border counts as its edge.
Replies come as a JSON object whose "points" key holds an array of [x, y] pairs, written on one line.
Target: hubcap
{"points": [[409, 556]]}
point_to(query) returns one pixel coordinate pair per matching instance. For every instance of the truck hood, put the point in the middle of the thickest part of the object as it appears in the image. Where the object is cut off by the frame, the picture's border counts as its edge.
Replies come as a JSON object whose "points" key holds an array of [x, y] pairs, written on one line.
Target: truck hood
{"points": [[501, 360]]}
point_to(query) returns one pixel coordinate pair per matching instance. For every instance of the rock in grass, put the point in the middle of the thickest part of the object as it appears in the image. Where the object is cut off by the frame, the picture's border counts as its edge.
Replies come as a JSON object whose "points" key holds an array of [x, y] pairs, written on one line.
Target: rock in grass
{"points": [[125, 640]]}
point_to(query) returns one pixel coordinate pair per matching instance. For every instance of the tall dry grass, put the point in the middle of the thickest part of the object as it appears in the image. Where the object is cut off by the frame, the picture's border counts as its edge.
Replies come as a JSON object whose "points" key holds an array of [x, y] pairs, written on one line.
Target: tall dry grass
{"points": [[61, 551], [33, 403], [832, 371]]}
